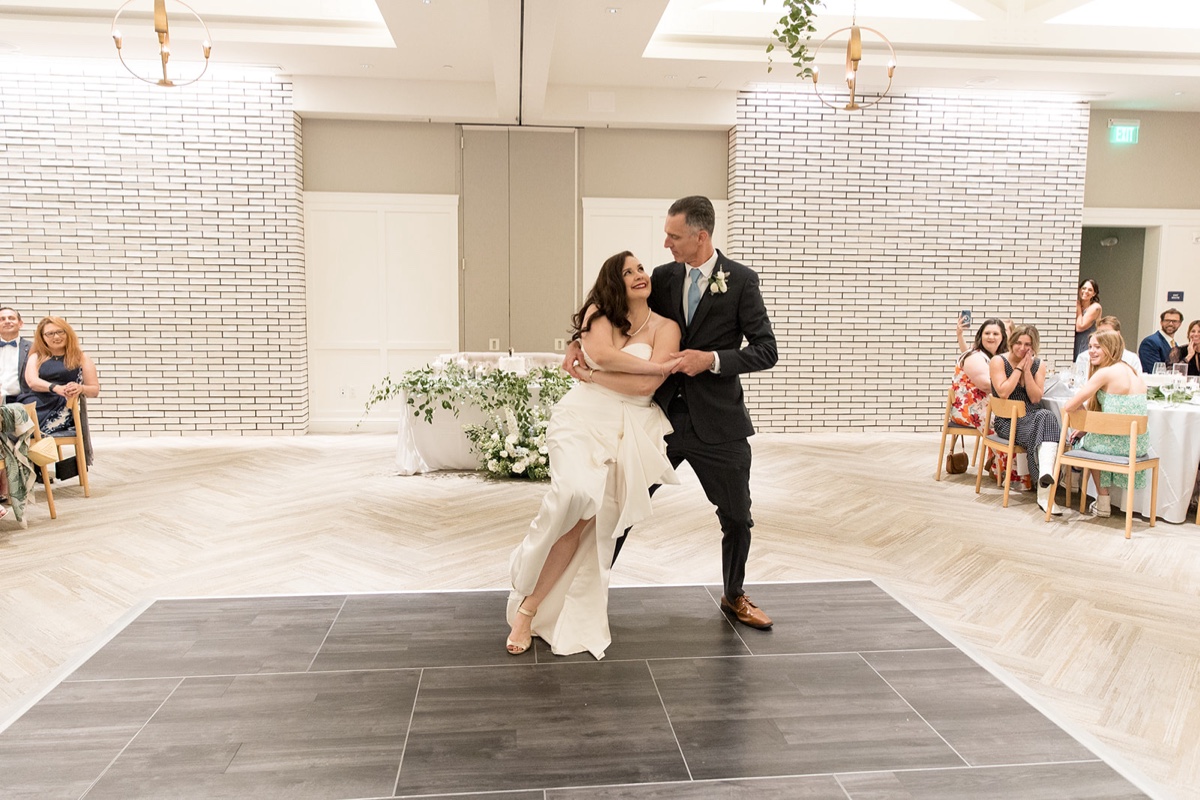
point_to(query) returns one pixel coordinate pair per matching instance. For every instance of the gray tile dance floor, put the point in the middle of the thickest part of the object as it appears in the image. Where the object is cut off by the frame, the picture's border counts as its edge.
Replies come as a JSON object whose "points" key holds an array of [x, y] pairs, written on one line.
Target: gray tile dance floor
{"points": [[850, 697]]}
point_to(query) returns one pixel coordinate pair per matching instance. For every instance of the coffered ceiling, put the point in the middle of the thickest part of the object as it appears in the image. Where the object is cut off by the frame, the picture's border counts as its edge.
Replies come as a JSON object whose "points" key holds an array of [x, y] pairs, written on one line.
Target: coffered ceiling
{"points": [[645, 63]]}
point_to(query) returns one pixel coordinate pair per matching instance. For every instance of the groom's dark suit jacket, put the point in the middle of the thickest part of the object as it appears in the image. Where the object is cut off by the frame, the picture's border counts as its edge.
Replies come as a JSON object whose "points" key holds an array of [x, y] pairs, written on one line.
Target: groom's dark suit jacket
{"points": [[722, 321]]}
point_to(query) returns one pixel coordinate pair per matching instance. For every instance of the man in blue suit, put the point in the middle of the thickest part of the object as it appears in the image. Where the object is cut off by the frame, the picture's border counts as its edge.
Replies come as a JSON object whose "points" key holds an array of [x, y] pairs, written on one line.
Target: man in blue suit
{"points": [[1157, 347]]}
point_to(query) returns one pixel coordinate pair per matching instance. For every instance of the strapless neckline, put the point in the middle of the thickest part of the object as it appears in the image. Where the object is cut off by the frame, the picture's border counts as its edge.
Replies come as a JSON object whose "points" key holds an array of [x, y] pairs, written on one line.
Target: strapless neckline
{"points": [[640, 349]]}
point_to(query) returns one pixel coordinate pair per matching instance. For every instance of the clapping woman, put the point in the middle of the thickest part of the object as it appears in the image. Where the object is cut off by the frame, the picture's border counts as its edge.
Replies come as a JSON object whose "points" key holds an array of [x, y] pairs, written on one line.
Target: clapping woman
{"points": [[1020, 375], [1190, 353], [58, 370], [1087, 311]]}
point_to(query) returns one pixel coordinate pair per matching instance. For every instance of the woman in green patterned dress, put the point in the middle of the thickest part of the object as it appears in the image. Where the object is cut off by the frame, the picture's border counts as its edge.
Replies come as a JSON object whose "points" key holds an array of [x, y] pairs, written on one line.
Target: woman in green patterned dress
{"points": [[1113, 387]]}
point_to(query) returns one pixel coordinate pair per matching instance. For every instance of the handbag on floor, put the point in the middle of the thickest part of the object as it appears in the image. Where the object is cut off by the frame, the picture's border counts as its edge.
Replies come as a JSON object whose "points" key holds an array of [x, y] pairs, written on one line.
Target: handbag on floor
{"points": [[43, 452], [957, 463]]}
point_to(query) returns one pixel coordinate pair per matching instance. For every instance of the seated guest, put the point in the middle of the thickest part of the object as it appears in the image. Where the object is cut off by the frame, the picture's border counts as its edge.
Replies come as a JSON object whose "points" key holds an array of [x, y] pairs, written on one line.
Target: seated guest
{"points": [[1156, 348], [972, 380], [1115, 388], [1190, 353], [13, 353], [1020, 375], [57, 371], [1083, 364]]}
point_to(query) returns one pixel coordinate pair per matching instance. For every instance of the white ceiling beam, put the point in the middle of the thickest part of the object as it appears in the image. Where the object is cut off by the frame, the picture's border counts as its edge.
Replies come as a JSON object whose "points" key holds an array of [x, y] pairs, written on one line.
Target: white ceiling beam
{"points": [[541, 28], [1040, 11], [504, 20]]}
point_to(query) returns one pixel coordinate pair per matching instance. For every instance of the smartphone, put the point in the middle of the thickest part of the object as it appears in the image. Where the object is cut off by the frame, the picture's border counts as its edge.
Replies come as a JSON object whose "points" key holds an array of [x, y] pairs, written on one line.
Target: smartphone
{"points": [[966, 317]]}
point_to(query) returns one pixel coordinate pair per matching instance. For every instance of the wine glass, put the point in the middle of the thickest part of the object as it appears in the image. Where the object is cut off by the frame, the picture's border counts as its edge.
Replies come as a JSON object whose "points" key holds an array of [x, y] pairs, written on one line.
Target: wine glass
{"points": [[1160, 368]]}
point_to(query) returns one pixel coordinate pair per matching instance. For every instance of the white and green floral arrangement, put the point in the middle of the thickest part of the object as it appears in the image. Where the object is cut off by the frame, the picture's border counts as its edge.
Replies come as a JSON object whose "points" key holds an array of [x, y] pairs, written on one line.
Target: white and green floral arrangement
{"points": [[512, 443]]}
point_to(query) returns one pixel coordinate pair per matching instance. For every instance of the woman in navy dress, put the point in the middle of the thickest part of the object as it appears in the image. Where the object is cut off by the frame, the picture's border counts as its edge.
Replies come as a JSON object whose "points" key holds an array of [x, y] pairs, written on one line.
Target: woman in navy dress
{"points": [[1020, 375], [58, 370], [1087, 312]]}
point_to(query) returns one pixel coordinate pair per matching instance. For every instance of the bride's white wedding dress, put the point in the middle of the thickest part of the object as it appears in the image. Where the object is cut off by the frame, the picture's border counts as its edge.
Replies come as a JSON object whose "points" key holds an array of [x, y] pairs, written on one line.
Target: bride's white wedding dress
{"points": [[606, 451]]}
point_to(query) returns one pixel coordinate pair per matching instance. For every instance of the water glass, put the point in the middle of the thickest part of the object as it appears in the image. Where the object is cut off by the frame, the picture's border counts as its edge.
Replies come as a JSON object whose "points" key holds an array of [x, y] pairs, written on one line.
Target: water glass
{"points": [[1160, 368], [1180, 369]]}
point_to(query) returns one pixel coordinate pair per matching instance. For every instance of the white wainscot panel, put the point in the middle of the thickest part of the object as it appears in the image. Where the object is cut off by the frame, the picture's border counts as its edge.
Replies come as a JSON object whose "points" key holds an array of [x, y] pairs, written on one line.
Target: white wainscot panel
{"points": [[382, 298]]}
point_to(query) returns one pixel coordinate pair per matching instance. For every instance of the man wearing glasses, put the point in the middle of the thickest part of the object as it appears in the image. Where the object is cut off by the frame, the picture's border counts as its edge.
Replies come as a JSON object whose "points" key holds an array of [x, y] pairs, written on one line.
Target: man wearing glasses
{"points": [[1158, 346]]}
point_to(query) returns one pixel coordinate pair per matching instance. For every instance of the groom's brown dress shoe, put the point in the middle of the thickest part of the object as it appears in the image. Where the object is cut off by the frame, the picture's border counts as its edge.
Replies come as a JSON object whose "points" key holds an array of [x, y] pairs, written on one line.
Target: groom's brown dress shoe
{"points": [[746, 612]]}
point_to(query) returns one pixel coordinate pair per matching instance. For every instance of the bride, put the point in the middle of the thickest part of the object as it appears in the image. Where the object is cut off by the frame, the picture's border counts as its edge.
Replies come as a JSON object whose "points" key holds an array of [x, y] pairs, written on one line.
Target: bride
{"points": [[606, 449]]}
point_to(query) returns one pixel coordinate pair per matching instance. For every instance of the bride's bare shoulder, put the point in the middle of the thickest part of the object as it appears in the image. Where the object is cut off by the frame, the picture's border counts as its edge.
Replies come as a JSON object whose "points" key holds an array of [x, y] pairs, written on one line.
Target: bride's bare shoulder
{"points": [[665, 324]]}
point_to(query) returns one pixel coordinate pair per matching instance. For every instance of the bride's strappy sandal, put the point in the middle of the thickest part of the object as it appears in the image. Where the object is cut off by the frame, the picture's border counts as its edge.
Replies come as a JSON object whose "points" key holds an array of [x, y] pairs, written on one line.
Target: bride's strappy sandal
{"points": [[516, 648]]}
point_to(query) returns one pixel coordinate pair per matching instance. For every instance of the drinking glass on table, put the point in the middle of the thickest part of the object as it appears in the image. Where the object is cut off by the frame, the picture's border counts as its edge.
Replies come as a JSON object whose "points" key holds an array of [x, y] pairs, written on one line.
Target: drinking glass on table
{"points": [[1180, 369], [1160, 368]]}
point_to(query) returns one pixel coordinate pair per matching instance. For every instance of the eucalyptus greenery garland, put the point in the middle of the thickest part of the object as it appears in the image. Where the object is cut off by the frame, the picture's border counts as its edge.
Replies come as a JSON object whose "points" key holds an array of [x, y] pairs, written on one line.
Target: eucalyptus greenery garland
{"points": [[794, 31], [511, 444]]}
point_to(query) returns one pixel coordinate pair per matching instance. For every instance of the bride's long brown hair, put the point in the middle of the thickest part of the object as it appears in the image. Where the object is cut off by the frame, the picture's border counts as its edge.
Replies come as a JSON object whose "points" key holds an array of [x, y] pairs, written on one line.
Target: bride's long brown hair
{"points": [[609, 297]]}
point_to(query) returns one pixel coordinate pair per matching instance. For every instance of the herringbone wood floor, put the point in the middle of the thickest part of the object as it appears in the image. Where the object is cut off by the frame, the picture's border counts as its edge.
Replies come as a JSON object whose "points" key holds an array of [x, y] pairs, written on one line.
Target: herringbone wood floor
{"points": [[1101, 630]]}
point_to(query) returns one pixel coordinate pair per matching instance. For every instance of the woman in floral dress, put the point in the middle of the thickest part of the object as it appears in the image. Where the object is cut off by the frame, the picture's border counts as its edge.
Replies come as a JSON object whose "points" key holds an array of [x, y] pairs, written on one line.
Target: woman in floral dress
{"points": [[1116, 388], [972, 381]]}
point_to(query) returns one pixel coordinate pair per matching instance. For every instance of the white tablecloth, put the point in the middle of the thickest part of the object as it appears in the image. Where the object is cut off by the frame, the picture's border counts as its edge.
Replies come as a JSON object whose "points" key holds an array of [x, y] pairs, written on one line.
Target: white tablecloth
{"points": [[1175, 436], [430, 446]]}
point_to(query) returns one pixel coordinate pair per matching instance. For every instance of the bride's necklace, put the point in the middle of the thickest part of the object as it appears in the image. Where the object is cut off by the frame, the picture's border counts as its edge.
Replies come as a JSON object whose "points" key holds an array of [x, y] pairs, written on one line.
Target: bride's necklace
{"points": [[642, 327]]}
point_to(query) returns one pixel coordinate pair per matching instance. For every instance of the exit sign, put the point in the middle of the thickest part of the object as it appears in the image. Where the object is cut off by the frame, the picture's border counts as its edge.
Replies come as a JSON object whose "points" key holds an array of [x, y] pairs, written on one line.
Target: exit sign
{"points": [[1123, 131]]}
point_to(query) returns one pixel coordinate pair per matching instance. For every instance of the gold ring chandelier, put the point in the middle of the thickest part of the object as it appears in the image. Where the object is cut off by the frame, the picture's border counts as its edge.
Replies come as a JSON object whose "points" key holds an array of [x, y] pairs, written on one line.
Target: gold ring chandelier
{"points": [[164, 42], [853, 57]]}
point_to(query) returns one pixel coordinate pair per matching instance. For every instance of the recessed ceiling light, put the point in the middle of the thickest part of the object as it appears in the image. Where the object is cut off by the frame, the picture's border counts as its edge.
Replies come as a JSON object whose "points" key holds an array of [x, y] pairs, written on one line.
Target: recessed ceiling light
{"points": [[613, 10], [984, 80], [1179, 94], [366, 66], [669, 77]]}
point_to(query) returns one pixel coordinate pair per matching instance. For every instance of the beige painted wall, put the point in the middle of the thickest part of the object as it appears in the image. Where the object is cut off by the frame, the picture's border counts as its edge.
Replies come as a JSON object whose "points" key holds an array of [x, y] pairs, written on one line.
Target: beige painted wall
{"points": [[382, 157], [1161, 171], [653, 164]]}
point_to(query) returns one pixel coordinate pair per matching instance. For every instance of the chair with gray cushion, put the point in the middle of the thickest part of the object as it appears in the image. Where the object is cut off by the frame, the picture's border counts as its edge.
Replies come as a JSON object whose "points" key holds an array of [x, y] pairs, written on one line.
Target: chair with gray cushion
{"points": [[1131, 425]]}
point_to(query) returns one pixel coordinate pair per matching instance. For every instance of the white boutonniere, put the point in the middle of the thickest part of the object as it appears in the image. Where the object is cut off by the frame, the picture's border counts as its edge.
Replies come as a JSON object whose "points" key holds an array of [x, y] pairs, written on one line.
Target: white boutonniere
{"points": [[717, 284]]}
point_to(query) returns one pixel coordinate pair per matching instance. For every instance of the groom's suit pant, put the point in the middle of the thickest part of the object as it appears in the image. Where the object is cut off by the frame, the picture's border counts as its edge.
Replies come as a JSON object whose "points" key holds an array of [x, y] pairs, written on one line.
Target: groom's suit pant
{"points": [[724, 473]]}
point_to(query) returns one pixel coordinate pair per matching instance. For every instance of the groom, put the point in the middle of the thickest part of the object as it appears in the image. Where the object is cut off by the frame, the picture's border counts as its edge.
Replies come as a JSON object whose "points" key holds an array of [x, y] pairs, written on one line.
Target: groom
{"points": [[717, 304]]}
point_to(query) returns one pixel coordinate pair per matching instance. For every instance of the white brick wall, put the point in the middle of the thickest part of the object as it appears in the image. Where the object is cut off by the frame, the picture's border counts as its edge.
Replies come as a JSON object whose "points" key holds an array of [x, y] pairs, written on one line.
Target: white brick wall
{"points": [[166, 226], [871, 230]]}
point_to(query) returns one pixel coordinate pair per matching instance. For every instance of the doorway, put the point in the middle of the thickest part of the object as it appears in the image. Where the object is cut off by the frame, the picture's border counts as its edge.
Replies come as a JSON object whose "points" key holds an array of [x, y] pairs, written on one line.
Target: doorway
{"points": [[1113, 257]]}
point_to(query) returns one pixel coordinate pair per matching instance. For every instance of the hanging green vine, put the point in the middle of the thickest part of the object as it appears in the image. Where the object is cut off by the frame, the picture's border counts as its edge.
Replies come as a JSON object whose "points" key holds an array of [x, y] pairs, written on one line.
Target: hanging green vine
{"points": [[794, 31]]}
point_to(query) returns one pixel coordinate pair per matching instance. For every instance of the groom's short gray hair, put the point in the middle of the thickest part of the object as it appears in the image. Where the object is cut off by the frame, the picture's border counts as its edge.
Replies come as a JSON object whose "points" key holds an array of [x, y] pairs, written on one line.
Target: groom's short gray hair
{"points": [[697, 210]]}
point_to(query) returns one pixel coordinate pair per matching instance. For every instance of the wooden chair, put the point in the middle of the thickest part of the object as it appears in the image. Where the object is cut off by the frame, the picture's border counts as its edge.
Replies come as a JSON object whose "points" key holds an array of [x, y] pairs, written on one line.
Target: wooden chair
{"points": [[74, 440], [951, 429], [1130, 425], [1012, 410], [31, 408]]}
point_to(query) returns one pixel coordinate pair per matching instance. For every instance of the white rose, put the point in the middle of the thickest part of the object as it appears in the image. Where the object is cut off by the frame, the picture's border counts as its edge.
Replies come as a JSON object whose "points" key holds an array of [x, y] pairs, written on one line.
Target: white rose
{"points": [[541, 459], [518, 467], [504, 454], [493, 465]]}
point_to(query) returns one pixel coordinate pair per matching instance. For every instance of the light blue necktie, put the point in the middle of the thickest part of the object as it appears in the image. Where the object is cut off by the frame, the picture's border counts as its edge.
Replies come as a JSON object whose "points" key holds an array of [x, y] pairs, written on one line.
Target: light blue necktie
{"points": [[693, 294]]}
